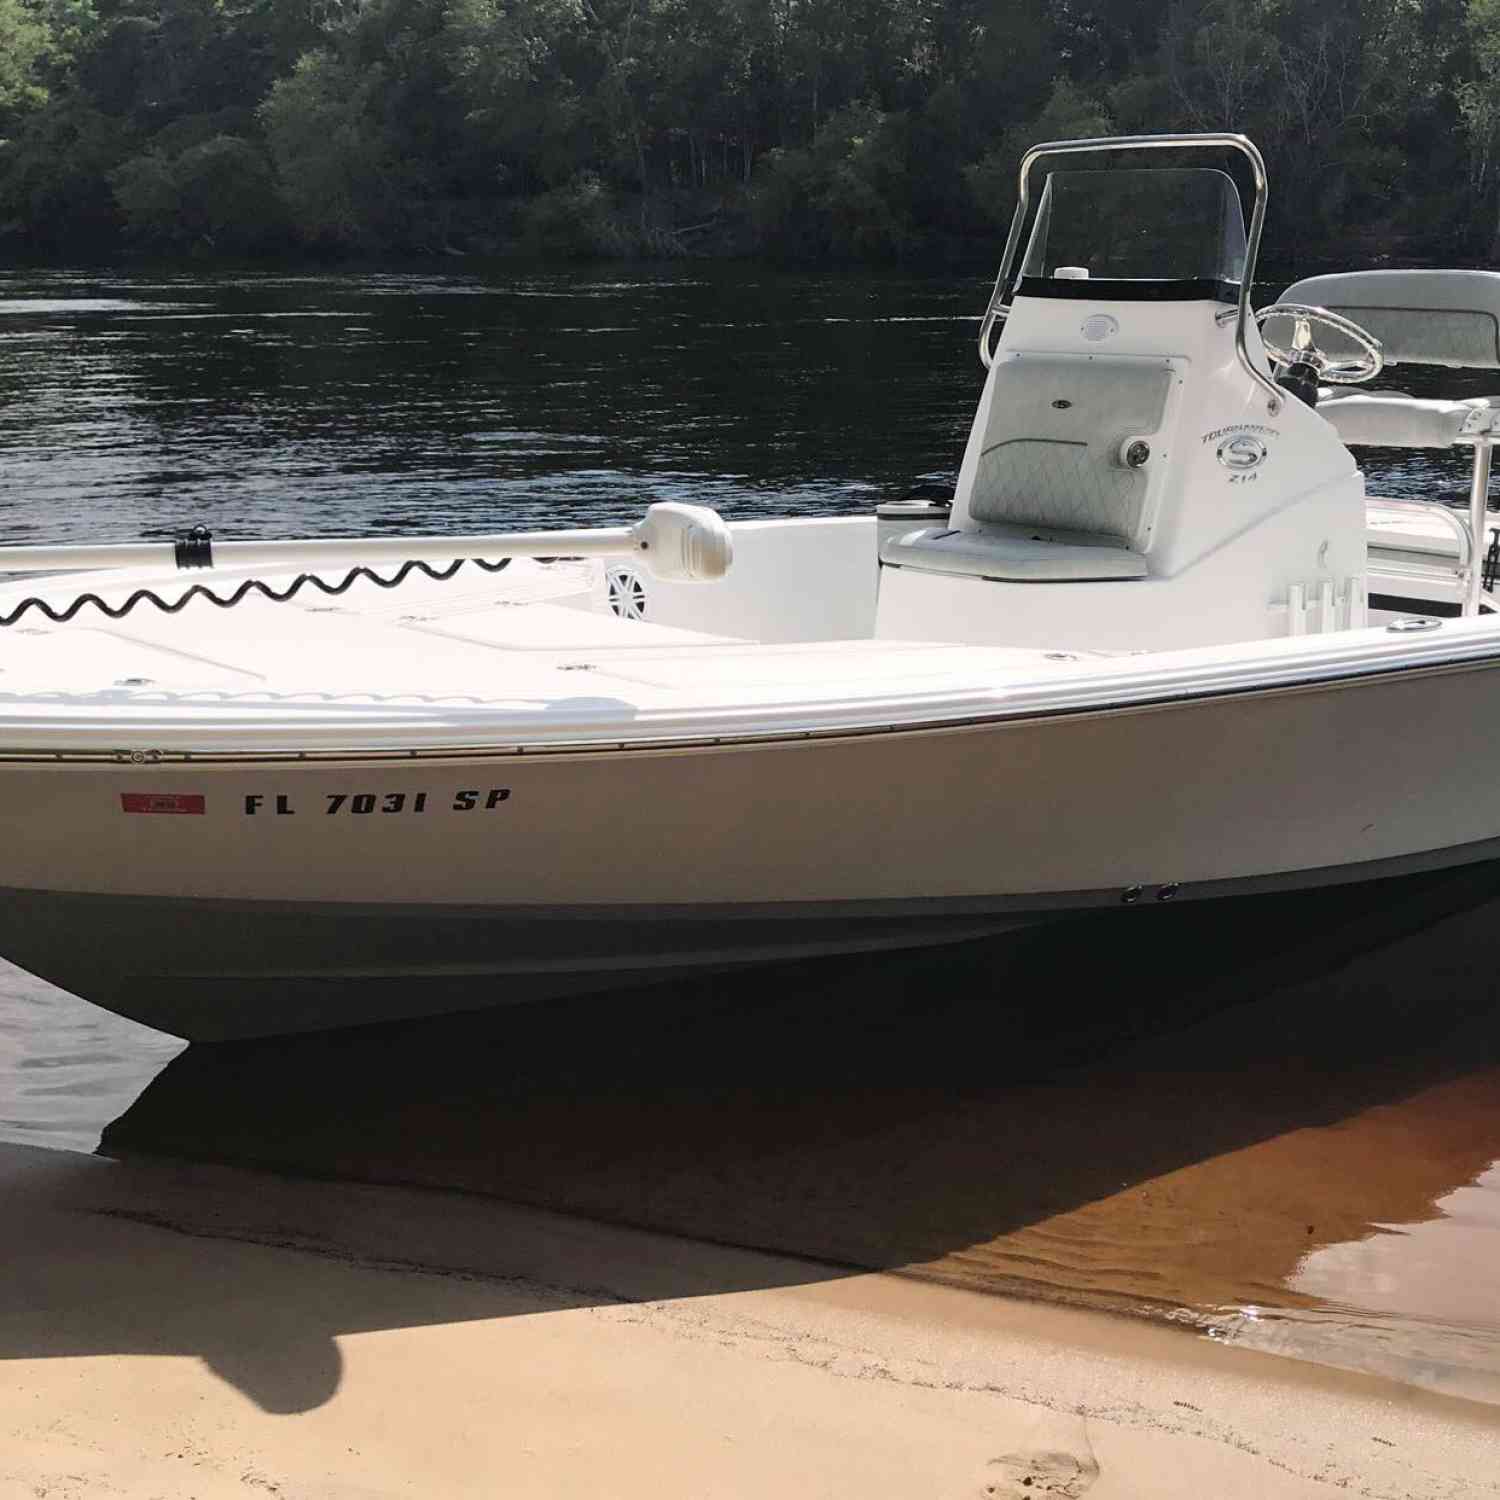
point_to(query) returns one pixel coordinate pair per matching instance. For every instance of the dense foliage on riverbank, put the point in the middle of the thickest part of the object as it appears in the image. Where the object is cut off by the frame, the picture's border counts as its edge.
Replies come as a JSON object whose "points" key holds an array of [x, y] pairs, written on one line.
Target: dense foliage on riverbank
{"points": [[812, 130]]}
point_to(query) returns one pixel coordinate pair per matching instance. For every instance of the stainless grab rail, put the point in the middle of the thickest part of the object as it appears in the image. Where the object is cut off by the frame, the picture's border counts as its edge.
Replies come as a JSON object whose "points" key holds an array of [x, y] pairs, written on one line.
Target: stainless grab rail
{"points": [[1479, 522], [999, 309]]}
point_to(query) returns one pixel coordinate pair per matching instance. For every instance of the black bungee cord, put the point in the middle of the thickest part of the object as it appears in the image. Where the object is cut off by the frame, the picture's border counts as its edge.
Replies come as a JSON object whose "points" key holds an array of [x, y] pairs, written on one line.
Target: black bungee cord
{"points": [[193, 550]]}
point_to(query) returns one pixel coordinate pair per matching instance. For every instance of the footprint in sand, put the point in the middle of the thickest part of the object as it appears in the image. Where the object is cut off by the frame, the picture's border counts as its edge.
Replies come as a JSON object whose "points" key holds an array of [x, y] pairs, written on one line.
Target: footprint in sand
{"points": [[1015, 1476]]}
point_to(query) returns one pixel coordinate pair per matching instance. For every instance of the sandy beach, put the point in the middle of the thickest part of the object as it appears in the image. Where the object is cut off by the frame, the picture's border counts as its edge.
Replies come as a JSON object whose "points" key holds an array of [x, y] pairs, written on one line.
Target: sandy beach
{"points": [[173, 1331]]}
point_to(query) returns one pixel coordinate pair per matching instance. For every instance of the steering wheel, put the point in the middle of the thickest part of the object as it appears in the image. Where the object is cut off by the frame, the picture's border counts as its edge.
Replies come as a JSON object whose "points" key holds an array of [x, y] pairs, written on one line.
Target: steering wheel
{"points": [[1367, 366]]}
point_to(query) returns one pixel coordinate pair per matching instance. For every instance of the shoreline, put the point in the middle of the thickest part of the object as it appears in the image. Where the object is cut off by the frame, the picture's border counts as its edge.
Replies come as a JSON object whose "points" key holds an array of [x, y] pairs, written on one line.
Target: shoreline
{"points": [[976, 265], [201, 1330]]}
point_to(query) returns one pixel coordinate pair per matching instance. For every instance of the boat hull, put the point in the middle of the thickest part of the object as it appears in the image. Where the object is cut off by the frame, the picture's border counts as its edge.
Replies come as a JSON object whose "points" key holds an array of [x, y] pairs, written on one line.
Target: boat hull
{"points": [[222, 898], [217, 971], [222, 970]]}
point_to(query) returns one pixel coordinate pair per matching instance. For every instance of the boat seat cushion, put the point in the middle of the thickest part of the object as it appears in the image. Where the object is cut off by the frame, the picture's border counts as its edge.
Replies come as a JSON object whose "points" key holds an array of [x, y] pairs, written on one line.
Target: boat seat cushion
{"points": [[1387, 420], [1015, 554], [1051, 452]]}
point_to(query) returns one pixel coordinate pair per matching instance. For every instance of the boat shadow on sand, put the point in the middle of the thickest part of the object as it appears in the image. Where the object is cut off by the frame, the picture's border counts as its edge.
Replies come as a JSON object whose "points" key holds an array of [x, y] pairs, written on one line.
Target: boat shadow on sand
{"points": [[1153, 1111]]}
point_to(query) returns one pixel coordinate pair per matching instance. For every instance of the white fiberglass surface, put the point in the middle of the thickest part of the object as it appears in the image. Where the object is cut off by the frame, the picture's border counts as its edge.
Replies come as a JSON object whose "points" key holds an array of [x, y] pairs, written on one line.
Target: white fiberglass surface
{"points": [[378, 691], [564, 655], [533, 640], [533, 654], [1412, 526]]}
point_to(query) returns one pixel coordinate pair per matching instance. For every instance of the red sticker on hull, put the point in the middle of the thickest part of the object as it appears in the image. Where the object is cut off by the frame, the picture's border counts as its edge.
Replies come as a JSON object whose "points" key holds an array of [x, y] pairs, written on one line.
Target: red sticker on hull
{"points": [[160, 802]]}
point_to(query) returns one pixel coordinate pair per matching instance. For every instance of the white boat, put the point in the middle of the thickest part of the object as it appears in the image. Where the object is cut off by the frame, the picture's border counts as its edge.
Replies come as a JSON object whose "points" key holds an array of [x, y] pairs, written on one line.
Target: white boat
{"points": [[1161, 647]]}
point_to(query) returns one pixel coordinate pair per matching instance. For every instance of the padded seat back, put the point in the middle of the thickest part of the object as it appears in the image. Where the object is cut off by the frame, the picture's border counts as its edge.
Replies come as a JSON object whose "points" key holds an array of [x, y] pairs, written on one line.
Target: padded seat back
{"points": [[1051, 453], [1420, 317]]}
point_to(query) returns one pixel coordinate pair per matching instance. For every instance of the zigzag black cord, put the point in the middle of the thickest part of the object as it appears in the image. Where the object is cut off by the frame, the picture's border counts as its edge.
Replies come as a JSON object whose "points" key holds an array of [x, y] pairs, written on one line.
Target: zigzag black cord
{"points": [[249, 586]]}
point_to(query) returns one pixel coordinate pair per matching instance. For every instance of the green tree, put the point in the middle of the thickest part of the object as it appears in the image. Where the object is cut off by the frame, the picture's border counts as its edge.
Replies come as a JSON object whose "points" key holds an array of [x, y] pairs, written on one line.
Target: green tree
{"points": [[520, 105], [871, 129], [841, 198], [1478, 99], [1069, 114], [337, 169], [24, 44], [217, 195]]}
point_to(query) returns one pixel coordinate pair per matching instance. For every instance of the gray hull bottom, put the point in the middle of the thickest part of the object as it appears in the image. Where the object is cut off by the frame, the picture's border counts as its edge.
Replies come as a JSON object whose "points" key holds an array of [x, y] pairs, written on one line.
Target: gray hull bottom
{"points": [[214, 971]]}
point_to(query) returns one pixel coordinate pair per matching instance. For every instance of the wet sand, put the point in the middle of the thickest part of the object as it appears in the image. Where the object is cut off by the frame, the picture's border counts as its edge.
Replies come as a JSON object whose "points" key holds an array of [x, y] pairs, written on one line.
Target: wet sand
{"points": [[173, 1331], [1294, 1149]]}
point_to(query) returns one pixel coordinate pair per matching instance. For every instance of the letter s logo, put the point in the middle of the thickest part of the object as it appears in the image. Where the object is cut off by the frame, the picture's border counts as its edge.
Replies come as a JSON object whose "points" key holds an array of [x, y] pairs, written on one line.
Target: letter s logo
{"points": [[1241, 452]]}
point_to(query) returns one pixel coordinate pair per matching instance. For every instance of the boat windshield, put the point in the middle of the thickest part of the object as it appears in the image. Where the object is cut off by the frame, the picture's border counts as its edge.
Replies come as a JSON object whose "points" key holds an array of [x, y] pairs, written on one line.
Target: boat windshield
{"points": [[1154, 225]]}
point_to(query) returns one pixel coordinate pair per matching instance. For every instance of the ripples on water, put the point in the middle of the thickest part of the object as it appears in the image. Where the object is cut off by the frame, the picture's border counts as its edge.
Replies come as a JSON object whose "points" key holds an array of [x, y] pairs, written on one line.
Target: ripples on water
{"points": [[264, 405], [272, 405], [267, 405]]}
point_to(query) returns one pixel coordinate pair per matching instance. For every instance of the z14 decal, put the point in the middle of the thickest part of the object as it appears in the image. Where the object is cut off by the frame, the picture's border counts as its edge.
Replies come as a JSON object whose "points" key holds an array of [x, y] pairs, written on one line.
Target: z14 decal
{"points": [[361, 804]]}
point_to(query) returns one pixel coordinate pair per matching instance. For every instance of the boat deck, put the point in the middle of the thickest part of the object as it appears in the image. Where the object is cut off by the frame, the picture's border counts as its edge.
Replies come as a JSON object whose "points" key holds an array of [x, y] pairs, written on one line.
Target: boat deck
{"points": [[532, 658], [515, 646]]}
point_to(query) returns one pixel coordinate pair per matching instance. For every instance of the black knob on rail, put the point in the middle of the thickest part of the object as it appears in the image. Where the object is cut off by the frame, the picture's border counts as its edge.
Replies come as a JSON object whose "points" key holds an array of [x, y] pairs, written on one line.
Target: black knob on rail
{"points": [[194, 549]]}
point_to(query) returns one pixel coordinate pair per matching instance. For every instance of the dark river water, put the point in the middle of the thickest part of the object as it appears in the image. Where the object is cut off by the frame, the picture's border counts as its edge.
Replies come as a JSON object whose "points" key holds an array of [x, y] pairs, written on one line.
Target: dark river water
{"points": [[270, 405], [1331, 1191], [266, 405]]}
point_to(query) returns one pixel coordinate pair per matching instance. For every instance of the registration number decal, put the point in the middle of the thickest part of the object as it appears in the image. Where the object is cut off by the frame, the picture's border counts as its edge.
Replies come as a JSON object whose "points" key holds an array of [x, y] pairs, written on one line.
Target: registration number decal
{"points": [[361, 804]]}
